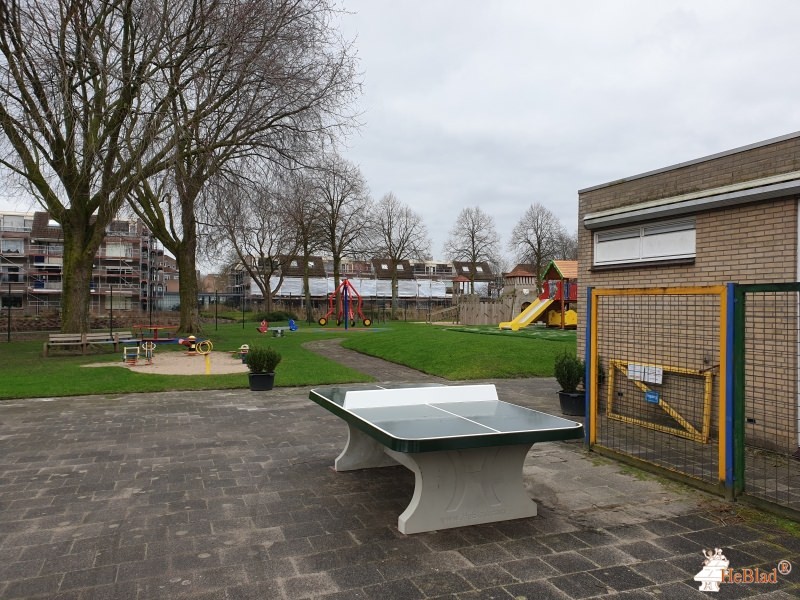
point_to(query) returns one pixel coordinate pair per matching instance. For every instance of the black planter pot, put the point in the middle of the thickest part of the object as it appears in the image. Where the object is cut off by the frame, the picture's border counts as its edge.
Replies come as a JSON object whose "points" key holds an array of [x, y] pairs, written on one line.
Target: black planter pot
{"points": [[261, 382], [573, 403]]}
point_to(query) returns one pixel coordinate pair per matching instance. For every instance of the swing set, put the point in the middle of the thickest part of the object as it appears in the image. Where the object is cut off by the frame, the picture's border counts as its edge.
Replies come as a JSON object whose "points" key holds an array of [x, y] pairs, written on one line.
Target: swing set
{"points": [[349, 297]]}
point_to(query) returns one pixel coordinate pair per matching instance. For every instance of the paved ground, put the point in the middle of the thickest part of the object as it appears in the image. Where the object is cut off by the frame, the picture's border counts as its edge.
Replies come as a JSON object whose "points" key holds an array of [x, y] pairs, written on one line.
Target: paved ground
{"points": [[230, 494]]}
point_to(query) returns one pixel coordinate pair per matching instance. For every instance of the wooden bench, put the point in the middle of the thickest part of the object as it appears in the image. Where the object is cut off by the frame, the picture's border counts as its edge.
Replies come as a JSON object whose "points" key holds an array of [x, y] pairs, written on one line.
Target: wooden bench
{"points": [[84, 340]]}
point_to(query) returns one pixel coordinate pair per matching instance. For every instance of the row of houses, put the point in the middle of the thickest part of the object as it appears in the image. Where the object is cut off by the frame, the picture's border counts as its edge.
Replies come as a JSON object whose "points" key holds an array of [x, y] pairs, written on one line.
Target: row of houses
{"points": [[133, 273]]}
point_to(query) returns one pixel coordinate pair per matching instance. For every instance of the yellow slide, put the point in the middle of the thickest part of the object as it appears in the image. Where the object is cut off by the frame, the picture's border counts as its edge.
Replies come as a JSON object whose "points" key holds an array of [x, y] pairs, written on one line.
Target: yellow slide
{"points": [[527, 316]]}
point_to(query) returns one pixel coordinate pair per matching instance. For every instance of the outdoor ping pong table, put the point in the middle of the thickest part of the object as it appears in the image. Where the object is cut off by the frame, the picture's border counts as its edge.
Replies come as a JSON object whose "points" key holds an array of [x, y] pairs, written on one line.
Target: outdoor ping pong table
{"points": [[465, 447]]}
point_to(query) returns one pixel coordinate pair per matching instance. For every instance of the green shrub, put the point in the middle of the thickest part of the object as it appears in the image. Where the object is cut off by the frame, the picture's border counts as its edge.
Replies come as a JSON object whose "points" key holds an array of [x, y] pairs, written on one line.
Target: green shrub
{"points": [[260, 359], [568, 370]]}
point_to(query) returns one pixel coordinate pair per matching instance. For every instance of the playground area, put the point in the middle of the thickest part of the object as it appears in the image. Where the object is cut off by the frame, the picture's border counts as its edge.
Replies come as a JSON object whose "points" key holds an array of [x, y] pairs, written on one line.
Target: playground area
{"points": [[181, 363]]}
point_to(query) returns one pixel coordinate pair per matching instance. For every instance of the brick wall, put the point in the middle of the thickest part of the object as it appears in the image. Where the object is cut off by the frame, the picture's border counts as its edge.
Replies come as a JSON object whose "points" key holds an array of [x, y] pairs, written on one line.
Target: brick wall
{"points": [[751, 243]]}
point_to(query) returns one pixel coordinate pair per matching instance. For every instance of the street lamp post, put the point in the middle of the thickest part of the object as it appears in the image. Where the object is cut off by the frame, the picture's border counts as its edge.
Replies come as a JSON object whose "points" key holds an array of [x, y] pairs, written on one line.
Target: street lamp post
{"points": [[111, 310]]}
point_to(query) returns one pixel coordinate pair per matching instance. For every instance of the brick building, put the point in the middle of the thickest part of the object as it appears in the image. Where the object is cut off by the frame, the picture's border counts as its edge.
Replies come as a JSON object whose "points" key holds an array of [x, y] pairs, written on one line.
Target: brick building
{"points": [[130, 271], [728, 217]]}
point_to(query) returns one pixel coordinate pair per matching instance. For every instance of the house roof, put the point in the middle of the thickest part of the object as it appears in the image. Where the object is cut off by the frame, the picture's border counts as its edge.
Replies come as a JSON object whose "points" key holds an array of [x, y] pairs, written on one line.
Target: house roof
{"points": [[40, 230], [521, 270], [383, 268], [293, 266], [567, 268], [480, 271]]}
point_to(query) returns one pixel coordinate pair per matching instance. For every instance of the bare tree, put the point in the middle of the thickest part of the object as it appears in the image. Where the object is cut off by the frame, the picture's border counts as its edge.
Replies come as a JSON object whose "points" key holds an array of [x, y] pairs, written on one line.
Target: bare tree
{"points": [[473, 239], [252, 225], [344, 209], [300, 206], [566, 246], [399, 234], [536, 238], [78, 119], [272, 81]]}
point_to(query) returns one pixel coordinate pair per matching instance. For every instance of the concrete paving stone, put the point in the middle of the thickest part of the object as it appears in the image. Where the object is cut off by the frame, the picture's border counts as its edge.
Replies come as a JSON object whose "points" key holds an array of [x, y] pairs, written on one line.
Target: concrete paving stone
{"points": [[665, 527], [594, 537], [89, 577], [485, 554], [632, 595], [400, 589], [21, 570], [401, 568], [605, 556], [695, 522], [115, 591], [763, 550], [332, 541], [659, 571], [645, 550], [621, 578], [69, 562], [583, 585], [568, 562], [739, 558], [483, 534], [191, 562], [529, 569], [487, 576], [253, 591], [436, 585], [630, 532], [535, 590], [355, 576], [322, 561], [290, 548], [563, 542], [143, 569], [676, 545], [710, 538], [525, 548], [269, 570], [167, 548], [308, 586], [487, 594]]}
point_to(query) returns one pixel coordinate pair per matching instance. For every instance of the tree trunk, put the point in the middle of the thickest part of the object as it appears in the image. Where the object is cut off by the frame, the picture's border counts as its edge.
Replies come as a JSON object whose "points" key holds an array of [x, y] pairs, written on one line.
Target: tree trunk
{"points": [[81, 242], [190, 314], [395, 299], [337, 262], [307, 288]]}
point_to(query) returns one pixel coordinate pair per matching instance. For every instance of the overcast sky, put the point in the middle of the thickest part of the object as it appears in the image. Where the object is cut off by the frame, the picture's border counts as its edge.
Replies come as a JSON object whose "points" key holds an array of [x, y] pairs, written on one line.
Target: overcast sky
{"points": [[503, 103], [500, 104]]}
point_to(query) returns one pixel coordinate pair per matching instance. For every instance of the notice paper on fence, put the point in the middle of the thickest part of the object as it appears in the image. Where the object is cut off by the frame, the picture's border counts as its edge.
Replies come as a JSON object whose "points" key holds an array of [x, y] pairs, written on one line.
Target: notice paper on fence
{"points": [[646, 373]]}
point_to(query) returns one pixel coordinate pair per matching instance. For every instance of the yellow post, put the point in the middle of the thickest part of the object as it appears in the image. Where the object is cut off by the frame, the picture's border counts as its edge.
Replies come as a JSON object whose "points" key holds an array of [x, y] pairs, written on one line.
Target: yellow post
{"points": [[208, 364]]}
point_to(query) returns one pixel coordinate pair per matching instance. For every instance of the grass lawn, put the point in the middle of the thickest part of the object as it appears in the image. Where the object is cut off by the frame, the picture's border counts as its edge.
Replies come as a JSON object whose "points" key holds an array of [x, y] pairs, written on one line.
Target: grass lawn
{"points": [[458, 353], [450, 352]]}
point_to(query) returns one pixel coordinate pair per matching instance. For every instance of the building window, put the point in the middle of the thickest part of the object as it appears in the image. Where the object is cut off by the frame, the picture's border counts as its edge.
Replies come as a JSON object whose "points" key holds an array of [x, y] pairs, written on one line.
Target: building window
{"points": [[478, 269], [465, 268], [12, 246], [11, 302], [670, 240], [399, 267]]}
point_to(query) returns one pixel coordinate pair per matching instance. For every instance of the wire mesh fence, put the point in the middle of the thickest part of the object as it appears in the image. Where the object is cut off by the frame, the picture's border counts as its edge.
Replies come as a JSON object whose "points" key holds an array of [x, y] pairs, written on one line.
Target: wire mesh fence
{"points": [[657, 356], [767, 422]]}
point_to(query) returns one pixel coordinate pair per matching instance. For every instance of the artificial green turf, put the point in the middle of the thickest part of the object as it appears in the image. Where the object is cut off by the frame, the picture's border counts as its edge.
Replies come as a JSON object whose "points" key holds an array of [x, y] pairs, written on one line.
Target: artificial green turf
{"points": [[455, 353]]}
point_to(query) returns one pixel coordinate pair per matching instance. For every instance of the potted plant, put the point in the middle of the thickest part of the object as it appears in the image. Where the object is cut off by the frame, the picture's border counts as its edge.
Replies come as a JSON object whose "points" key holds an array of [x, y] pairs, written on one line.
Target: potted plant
{"points": [[261, 362], [569, 370]]}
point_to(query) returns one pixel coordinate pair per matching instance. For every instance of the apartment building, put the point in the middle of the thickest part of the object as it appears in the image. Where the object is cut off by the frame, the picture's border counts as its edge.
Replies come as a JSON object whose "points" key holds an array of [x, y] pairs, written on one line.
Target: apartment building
{"points": [[128, 273]]}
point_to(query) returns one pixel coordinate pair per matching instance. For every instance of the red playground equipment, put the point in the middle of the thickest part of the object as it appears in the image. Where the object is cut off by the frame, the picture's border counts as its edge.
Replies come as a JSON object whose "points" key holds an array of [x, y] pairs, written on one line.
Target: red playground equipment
{"points": [[349, 297]]}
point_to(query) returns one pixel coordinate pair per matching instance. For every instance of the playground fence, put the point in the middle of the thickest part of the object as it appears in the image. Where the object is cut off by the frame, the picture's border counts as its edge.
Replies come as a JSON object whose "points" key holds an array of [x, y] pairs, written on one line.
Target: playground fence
{"points": [[657, 367], [766, 348]]}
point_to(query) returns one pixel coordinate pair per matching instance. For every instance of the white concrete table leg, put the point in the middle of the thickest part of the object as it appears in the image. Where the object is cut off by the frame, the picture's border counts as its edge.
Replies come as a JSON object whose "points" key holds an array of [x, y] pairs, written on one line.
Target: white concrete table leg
{"points": [[454, 488], [362, 452]]}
